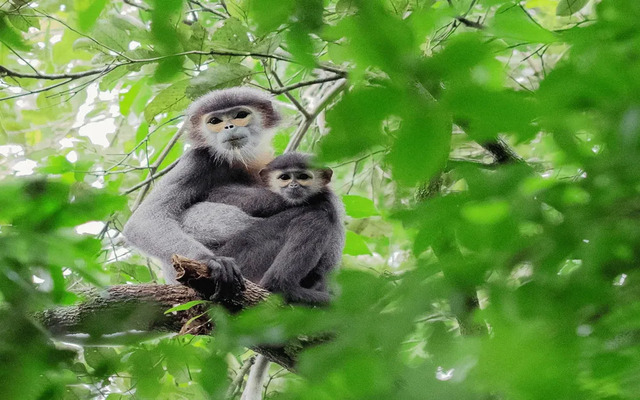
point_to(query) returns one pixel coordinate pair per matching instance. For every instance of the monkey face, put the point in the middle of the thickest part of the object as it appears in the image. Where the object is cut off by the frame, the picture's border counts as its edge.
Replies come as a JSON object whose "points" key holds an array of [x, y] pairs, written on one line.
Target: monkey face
{"points": [[295, 185], [234, 133]]}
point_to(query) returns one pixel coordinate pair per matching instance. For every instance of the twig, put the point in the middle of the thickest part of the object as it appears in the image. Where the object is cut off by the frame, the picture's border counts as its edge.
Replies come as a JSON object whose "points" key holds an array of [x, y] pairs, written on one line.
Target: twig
{"points": [[291, 98], [44, 89], [4, 71], [150, 179], [285, 89], [469, 23], [324, 102], [237, 381], [501, 151], [155, 167], [140, 6], [211, 10]]}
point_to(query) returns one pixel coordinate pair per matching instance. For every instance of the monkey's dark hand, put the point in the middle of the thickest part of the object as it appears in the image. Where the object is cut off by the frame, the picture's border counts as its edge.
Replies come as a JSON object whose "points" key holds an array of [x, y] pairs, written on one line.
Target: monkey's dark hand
{"points": [[227, 276]]}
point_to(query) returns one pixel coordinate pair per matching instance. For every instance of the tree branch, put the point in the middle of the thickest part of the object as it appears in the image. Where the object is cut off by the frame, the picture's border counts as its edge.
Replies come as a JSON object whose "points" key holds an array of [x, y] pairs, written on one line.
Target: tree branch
{"points": [[124, 308], [285, 89], [142, 7], [150, 178], [324, 102], [471, 24], [208, 9], [147, 182], [501, 151]]}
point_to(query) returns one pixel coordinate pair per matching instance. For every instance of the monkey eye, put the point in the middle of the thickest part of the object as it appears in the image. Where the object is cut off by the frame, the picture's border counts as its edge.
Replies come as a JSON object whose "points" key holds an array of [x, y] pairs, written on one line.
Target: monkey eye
{"points": [[214, 121], [304, 176], [242, 114], [284, 177]]}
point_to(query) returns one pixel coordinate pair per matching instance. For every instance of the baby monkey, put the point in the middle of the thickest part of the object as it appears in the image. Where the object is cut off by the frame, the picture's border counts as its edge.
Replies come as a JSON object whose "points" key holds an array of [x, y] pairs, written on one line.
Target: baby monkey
{"points": [[293, 251], [291, 177]]}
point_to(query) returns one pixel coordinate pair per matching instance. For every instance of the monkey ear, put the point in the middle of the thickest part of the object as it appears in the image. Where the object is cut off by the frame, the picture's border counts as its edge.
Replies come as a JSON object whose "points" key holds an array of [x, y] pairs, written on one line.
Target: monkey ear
{"points": [[326, 174], [264, 174]]}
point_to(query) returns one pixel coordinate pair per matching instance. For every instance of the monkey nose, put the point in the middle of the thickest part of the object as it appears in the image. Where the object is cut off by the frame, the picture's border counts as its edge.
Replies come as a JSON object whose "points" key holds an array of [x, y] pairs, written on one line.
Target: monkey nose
{"points": [[294, 185], [230, 126]]}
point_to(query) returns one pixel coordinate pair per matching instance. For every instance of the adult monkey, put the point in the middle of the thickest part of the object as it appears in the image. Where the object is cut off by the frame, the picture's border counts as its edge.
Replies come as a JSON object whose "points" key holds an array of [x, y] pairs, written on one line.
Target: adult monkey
{"points": [[231, 135]]}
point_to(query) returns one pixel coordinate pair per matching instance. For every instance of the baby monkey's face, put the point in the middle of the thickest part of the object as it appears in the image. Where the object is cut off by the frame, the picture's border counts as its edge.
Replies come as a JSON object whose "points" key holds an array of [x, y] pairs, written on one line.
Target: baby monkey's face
{"points": [[295, 185]]}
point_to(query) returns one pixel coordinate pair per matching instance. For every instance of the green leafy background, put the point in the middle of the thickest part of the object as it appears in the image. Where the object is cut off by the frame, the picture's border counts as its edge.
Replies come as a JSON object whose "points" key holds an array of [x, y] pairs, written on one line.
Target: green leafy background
{"points": [[463, 277]]}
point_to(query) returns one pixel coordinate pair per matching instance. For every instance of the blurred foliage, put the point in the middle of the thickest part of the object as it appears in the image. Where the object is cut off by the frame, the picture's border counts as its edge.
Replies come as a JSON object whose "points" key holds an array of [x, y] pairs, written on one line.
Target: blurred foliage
{"points": [[92, 93]]}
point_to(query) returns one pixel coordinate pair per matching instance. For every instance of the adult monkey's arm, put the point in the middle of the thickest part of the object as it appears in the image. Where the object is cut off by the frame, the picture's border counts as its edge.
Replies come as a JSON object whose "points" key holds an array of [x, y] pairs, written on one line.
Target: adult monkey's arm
{"points": [[155, 226]]}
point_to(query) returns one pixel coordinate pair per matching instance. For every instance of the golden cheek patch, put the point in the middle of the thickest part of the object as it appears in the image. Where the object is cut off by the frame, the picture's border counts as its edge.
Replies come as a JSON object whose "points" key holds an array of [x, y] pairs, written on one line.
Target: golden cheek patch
{"points": [[274, 183], [216, 128], [241, 121]]}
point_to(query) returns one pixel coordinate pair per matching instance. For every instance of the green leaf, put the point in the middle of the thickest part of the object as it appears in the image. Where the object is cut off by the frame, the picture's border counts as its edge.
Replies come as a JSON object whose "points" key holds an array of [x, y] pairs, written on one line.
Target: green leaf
{"points": [[172, 98], [126, 99], [359, 207], [269, 44], [487, 212], [356, 122], [486, 113], [88, 12], [108, 35], [109, 81], [233, 35], [513, 22], [10, 36], [167, 69], [269, 14], [570, 7], [422, 146], [280, 142], [84, 43], [164, 16], [301, 45], [56, 165], [355, 245], [185, 306], [218, 76], [25, 20]]}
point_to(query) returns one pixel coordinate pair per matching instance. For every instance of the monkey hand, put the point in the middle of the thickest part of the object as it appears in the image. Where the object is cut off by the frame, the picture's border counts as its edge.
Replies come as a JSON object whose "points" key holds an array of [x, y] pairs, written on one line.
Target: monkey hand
{"points": [[225, 273]]}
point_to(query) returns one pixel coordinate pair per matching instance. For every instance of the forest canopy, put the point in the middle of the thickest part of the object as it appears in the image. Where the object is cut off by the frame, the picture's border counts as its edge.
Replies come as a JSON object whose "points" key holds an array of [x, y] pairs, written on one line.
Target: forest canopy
{"points": [[487, 153]]}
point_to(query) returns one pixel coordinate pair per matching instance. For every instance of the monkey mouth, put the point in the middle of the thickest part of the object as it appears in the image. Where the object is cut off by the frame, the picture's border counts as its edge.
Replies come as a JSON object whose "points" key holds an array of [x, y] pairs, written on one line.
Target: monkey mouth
{"points": [[294, 194], [236, 142]]}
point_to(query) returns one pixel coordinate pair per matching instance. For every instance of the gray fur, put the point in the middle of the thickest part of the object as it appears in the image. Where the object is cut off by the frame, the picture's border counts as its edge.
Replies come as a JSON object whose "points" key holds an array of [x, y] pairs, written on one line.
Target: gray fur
{"points": [[212, 224], [292, 252], [203, 172], [287, 248], [227, 98]]}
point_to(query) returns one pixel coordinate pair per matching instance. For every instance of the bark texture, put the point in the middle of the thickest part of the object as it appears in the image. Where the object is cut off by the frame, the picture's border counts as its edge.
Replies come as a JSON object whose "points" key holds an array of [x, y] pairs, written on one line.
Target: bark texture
{"points": [[124, 308]]}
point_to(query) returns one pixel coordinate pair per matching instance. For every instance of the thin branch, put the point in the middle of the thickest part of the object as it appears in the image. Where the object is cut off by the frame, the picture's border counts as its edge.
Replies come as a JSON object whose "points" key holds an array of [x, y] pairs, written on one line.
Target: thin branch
{"points": [[23, 59], [469, 23], [150, 179], [44, 89], [147, 183], [501, 151], [4, 71], [208, 9], [357, 160], [291, 98], [142, 7], [143, 141], [81, 34], [304, 127], [285, 89], [237, 381]]}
